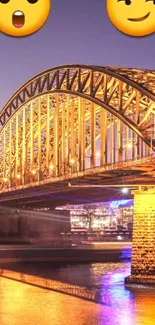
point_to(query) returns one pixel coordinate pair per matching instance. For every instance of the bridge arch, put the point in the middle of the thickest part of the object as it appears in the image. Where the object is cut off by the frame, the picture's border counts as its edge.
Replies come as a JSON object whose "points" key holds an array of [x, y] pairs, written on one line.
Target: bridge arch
{"points": [[104, 100]]}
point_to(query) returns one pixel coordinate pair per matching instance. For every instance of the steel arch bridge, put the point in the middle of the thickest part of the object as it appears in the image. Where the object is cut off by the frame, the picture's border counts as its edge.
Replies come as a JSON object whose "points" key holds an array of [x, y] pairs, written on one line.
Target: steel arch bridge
{"points": [[76, 119]]}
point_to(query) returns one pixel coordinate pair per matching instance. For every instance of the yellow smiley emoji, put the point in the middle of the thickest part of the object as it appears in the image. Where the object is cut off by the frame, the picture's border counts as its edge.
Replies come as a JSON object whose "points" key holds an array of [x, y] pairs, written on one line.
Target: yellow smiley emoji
{"points": [[132, 17], [23, 17]]}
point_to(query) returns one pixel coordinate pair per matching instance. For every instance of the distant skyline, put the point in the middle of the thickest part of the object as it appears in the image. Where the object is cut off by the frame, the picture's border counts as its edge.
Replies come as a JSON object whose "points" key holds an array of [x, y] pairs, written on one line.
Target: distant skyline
{"points": [[75, 33]]}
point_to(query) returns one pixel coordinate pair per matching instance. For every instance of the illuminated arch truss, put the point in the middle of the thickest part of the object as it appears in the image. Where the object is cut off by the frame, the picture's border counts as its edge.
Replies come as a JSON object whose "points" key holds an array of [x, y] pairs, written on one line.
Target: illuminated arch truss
{"points": [[71, 118]]}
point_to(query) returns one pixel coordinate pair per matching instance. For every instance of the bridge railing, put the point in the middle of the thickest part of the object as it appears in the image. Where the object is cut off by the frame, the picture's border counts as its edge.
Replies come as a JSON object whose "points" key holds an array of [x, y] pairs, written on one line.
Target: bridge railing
{"points": [[89, 171]]}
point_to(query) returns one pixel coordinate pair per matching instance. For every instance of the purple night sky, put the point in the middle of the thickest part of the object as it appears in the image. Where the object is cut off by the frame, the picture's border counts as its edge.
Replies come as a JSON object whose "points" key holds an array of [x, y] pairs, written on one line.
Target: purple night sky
{"points": [[76, 32]]}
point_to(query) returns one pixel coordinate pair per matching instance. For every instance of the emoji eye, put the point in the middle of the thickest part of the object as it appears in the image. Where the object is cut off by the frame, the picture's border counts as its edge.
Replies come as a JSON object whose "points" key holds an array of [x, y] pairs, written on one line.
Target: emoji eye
{"points": [[127, 2], [150, 0], [32, 1], [4, 1]]}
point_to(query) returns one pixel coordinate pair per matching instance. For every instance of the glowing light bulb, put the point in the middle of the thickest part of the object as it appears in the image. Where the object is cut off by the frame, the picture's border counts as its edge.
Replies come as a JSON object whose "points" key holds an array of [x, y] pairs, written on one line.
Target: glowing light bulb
{"points": [[33, 172], [125, 190], [72, 161], [51, 167], [129, 145]]}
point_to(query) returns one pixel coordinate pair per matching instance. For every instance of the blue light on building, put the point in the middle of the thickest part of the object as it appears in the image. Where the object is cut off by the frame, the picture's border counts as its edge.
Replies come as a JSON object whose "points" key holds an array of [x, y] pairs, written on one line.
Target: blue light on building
{"points": [[121, 203]]}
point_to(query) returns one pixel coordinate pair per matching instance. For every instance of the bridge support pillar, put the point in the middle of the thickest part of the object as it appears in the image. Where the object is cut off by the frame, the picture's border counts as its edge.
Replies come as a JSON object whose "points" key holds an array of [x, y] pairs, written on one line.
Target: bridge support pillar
{"points": [[143, 242]]}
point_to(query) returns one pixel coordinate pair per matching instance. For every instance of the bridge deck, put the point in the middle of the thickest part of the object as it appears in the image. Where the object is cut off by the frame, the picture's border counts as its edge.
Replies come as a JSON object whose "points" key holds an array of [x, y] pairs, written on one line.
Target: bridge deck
{"points": [[55, 194]]}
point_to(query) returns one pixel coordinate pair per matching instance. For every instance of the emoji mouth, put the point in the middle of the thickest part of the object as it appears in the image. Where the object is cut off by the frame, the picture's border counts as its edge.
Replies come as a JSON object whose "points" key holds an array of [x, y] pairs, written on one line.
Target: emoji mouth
{"points": [[18, 19], [139, 19]]}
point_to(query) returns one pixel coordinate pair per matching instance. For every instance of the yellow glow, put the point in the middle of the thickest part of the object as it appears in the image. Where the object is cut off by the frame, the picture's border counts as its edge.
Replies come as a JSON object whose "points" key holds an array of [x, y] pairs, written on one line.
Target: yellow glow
{"points": [[18, 176], [33, 172], [98, 154], [129, 145], [72, 161], [5, 179], [51, 166], [143, 231], [144, 199]]}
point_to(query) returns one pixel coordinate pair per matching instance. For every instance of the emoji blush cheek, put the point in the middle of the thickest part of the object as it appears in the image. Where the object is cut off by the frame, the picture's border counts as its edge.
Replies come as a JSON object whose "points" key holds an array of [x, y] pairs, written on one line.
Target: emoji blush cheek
{"points": [[18, 19]]}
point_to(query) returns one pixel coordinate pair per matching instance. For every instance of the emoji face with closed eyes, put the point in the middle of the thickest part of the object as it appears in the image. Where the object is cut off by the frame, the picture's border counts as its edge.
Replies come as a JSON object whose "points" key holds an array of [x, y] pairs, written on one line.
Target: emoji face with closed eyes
{"points": [[23, 17], [132, 17]]}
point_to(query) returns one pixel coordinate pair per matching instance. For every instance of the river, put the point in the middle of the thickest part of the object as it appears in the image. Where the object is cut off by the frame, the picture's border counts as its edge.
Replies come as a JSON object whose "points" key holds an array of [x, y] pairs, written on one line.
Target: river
{"points": [[115, 304]]}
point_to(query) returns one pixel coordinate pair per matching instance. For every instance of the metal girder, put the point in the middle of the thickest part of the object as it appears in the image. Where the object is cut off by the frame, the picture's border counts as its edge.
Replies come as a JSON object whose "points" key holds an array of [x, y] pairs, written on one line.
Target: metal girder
{"points": [[122, 82], [55, 123]]}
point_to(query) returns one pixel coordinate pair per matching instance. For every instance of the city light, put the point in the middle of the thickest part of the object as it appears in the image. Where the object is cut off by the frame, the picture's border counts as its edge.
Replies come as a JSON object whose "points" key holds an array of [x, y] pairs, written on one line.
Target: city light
{"points": [[33, 172], [51, 166], [72, 161], [125, 190], [129, 145], [102, 217]]}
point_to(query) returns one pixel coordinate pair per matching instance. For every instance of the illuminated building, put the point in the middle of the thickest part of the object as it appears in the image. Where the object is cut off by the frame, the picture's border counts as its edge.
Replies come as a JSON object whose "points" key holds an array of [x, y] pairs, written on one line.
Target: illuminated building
{"points": [[103, 216]]}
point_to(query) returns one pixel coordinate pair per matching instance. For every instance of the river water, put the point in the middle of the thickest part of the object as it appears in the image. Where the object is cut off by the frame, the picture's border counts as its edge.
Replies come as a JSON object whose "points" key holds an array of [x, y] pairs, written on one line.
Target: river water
{"points": [[23, 304]]}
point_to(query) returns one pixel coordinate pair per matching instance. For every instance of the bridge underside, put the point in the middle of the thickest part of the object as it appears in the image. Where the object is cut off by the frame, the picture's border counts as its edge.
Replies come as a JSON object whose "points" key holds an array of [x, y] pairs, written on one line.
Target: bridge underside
{"points": [[57, 194]]}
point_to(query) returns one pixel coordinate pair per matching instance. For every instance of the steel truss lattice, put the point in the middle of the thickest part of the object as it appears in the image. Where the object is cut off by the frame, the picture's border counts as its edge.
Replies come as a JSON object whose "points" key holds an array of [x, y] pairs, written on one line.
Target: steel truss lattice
{"points": [[71, 118]]}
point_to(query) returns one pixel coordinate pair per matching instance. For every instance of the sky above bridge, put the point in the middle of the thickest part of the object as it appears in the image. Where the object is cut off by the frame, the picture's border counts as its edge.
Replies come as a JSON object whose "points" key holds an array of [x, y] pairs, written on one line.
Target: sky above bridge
{"points": [[76, 32]]}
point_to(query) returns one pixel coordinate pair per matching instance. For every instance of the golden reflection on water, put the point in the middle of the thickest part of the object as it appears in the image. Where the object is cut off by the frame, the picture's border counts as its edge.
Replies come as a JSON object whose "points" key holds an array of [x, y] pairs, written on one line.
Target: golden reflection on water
{"points": [[145, 307], [23, 304]]}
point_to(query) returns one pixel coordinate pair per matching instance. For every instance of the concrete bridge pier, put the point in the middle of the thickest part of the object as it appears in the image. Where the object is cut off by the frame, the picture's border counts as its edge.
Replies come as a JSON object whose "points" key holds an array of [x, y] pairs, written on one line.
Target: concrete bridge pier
{"points": [[143, 242]]}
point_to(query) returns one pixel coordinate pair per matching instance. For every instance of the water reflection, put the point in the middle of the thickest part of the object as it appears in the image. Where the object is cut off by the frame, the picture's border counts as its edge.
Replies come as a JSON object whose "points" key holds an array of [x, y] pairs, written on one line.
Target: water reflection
{"points": [[120, 305]]}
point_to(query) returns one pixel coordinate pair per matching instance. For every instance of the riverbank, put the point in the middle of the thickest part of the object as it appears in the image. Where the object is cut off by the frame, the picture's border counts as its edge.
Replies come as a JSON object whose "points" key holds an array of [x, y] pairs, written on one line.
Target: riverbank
{"points": [[94, 252]]}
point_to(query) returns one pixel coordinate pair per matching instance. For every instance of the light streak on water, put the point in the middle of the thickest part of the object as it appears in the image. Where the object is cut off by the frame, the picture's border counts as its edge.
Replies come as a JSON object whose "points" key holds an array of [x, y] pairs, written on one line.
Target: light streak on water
{"points": [[114, 304]]}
